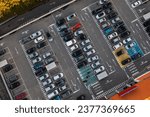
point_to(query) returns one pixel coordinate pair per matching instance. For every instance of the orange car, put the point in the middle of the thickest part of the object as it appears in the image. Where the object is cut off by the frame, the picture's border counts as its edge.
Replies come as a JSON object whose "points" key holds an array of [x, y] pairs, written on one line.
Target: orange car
{"points": [[75, 27]]}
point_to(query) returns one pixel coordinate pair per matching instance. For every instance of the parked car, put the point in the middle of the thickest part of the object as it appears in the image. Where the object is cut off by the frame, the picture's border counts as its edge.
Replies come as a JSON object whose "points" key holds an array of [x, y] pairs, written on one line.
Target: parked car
{"points": [[101, 20], [146, 23], [115, 20], [87, 48], [49, 88], [43, 77], [126, 61], [38, 59], [125, 34], [136, 4], [78, 32], [62, 88], [46, 82], [49, 60], [71, 42], [36, 34], [96, 11], [99, 69], [60, 22], [74, 47], [125, 41], [39, 39], [52, 94], [33, 55], [2, 52], [112, 35], [130, 45], [14, 85], [92, 51], [82, 64], [25, 40], [120, 52], [41, 45], [95, 65], [30, 50], [81, 97], [115, 41], [40, 71], [99, 15], [21, 96], [79, 58], [56, 77], [62, 28], [117, 45], [49, 37], [83, 43], [105, 25], [47, 54], [38, 65], [93, 58], [77, 53], [13, 78], [70, 17], [7, 68], [112, 15], [75, 27]]}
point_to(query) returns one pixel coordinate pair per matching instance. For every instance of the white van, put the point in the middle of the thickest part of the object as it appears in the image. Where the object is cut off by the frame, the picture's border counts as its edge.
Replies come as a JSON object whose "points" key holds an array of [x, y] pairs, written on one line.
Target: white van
{"points": [[71, 42]]}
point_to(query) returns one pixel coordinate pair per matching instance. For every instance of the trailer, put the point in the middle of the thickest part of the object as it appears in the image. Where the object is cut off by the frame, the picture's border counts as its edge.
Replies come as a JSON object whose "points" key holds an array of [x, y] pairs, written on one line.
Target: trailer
{"points": [[102, 75], [146, 16]]}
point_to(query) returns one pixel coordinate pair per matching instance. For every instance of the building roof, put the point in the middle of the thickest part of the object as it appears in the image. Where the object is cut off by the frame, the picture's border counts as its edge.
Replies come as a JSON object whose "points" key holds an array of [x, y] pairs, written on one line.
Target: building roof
{"points": [[140, 93]]}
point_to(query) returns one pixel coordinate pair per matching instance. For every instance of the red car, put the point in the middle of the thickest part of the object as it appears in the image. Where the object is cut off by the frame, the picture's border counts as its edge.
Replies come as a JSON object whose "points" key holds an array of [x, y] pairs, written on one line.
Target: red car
{"points": [[75, 27], [21, 96]]}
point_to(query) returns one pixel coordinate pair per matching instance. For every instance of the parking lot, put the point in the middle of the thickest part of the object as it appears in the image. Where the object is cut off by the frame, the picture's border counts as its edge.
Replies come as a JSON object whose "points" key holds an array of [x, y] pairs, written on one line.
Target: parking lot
{"points": [[92, 49]]}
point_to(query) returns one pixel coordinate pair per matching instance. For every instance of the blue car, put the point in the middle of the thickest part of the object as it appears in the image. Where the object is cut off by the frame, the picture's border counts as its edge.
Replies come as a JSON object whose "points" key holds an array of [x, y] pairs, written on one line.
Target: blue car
{"points": [[108, 31]]}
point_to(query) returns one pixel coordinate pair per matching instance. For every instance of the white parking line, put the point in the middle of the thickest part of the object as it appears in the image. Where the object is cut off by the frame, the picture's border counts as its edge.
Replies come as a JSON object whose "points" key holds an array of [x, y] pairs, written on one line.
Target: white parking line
{"points": [[16, 50]]}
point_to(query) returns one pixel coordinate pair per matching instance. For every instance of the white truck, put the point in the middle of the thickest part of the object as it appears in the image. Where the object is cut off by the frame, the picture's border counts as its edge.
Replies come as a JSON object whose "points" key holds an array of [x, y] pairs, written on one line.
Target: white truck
{"points": [[102, 75], [51, 66]]}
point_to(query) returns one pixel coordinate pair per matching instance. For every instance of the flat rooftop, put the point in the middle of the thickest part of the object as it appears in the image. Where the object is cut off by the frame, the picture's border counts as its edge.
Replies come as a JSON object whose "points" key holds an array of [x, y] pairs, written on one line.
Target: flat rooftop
{"points": [[140, 93]]}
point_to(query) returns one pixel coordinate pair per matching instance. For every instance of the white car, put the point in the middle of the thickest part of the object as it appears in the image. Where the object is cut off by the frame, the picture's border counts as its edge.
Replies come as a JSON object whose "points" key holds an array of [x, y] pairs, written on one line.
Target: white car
{"points": [[93, 58], [127, 40], [78, 32], [100, 15], [43, 77], [102, 20], [117, 45], [87, 48], [100, 69], [56, 77], [85, 42], [136, 4], [49, 88], [38, 59], [92, 51], [102, 1], [74, 47], [71, 42], [71, 16], [46, 82], [62, 88], [51, 95], [130, 45], [39, 39], [47, 54], [36, 34], [113, 35], [96, 64]]}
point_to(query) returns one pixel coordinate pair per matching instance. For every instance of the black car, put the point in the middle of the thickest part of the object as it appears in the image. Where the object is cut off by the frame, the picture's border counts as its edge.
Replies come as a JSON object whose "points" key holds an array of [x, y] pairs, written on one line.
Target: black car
{"points": [[40, 71], [146, 23], [125, 34], [7, 67], [119, 53], [14, 85], [31, 50], [96, 11], [126, 61], [13, 78], [82, 64], [111, 15], [148, 29], [65, 32], [109, 10], [136, 56], [68, 37], [107, 5], [77, 53], [79, 58], [60, 82], [81, 97], [121, 29], [2, 52], [116, 25], [48, 35], [60, 22], [82, 37], [40, 45]]}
